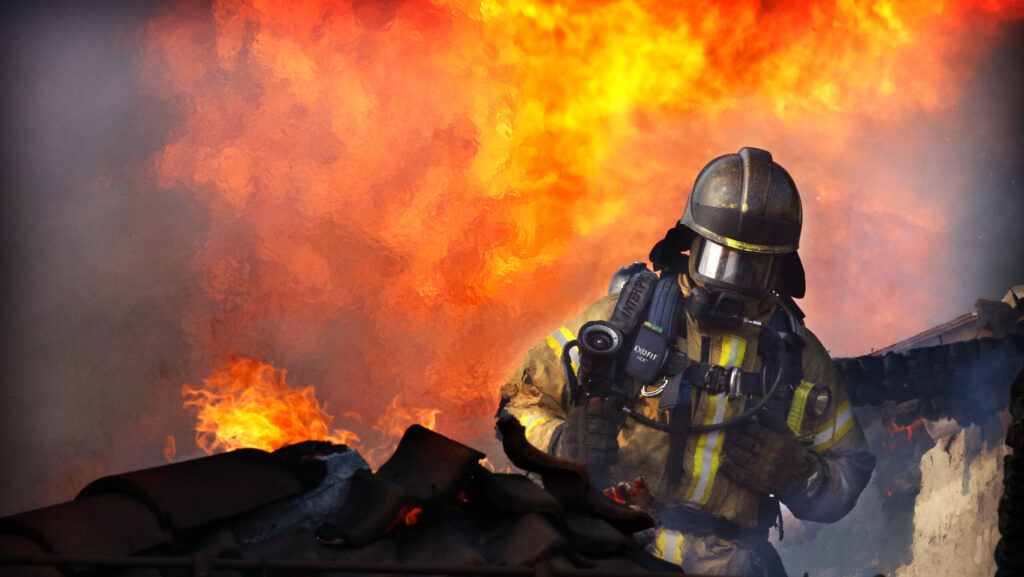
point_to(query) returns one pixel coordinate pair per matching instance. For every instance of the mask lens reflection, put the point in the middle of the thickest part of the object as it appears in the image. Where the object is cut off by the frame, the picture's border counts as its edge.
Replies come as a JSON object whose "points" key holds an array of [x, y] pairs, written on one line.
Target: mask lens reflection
{"points": [[737, 269]]}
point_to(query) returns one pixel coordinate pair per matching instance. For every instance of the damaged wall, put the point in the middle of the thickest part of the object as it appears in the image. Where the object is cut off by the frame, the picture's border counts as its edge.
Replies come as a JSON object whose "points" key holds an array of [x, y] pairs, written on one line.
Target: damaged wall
{"points": [[955, 514]]}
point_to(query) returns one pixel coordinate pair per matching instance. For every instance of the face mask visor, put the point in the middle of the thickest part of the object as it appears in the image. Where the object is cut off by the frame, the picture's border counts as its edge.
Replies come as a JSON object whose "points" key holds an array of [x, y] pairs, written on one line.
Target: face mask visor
{"points": [[745, 272]]}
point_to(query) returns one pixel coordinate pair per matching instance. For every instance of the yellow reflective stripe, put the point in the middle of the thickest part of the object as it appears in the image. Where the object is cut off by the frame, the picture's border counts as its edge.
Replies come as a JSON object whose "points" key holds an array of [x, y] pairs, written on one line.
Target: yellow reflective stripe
{"points": [[677, 550], [733, 350], [740, 245], [709, 449], [555, 346], [557, 340], [795, 420], [699, 451], [659, 544], [843, 423], [668, 546], [533, 422], [718, 441], [829, 424], [574, 355]]}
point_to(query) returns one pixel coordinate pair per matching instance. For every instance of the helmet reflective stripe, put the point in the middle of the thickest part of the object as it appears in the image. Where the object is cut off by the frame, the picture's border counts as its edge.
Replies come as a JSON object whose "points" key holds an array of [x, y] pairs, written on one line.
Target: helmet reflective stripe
{"points": [[746, 201]]}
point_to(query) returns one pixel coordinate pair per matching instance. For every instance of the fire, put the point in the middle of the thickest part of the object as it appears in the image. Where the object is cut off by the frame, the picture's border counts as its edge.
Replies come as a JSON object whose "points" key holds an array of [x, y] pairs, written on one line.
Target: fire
{"points": [[406, 195], [909, 429], [170, 448], [248, 403], [396, 419]]}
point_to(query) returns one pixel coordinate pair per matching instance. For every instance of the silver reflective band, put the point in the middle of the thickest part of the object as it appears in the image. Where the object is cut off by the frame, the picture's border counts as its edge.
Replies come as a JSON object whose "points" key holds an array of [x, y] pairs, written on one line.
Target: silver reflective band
{"points": [[742, 270]]}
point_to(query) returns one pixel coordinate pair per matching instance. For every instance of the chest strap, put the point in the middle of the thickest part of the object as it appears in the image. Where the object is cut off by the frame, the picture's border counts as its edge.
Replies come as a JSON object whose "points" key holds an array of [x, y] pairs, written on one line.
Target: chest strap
{"points": [[717, 379]]}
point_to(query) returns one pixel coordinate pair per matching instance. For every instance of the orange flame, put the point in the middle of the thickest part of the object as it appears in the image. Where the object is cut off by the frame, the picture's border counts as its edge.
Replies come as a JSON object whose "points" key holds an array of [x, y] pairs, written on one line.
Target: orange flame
{"points": [[247, 403], [405, 195], [170, 448]]}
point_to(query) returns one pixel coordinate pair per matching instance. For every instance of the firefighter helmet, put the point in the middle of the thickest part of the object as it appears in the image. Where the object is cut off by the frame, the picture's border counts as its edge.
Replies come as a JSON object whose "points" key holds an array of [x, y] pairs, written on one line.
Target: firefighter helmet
{"points": [[746, 208], [745, 202]]}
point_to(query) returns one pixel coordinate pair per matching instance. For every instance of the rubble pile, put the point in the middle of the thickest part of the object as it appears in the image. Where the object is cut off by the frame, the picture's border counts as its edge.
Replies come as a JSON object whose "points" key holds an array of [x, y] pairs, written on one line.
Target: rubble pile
{"points": [[431, 504]]}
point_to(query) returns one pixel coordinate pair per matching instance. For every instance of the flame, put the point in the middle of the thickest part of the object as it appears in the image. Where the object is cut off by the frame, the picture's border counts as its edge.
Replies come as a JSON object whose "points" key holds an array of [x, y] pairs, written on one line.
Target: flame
{"points": [[404, 196], [487, 464], [248, 403], [396, 418], [170, 448]]}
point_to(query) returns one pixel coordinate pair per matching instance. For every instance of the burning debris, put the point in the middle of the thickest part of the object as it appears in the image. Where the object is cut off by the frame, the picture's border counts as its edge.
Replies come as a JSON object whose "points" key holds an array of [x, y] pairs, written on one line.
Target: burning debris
{"points": [[430, 504], [248, 404]]}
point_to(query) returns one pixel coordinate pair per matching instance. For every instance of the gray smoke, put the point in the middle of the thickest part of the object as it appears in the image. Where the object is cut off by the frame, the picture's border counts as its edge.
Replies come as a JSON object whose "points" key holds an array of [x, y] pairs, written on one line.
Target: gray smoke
{"points": [[98, 258]]}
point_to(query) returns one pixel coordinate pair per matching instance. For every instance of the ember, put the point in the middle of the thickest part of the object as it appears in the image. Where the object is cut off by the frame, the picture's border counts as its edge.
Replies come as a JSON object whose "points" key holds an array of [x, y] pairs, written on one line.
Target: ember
{"points": [[909, 429]]}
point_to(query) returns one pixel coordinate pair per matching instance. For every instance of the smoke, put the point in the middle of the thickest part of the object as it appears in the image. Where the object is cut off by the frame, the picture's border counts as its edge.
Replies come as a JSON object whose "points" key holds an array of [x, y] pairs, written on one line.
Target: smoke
{"points": [[96, 259], [339, 211]]}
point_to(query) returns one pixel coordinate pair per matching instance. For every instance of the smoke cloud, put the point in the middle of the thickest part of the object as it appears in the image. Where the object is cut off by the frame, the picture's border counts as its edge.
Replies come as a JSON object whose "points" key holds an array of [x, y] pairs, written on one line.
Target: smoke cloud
{"points": [[188, 181]]}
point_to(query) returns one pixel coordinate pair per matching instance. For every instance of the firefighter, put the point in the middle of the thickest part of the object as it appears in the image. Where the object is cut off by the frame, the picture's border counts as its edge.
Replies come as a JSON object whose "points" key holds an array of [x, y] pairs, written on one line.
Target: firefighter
{"points": [[743, 408]]}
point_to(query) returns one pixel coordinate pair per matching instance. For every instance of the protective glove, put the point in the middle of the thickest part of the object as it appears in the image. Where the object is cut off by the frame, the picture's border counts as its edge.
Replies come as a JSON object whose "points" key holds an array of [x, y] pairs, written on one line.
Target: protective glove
{"points": [[764, 455], [591, 435]]}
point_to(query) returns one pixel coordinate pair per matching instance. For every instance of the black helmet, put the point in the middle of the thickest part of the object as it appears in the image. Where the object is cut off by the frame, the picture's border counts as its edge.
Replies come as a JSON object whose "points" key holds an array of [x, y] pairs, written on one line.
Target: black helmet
{"points": [[745, 208]]}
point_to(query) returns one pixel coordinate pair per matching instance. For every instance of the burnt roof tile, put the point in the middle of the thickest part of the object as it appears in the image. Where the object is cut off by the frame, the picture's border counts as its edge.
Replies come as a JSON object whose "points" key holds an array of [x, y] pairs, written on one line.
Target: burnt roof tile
{"points": [[191, 494], [107, 524]]}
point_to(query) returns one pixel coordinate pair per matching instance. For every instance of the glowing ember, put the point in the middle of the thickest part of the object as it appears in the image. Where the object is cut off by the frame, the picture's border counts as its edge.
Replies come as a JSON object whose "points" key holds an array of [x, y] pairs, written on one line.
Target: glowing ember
{"points": [[909, 429], [247, 403], [406, 195], [413, 516]]}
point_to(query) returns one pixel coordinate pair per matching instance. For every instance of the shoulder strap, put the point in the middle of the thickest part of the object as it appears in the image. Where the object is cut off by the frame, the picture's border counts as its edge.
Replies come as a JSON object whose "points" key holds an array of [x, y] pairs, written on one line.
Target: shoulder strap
{"points": [[632, 301]]}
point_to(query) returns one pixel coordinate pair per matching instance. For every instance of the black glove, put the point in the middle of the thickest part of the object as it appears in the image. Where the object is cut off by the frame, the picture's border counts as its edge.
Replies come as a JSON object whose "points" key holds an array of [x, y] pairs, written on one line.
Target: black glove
{"points": [[591, 434], [764, 455]]}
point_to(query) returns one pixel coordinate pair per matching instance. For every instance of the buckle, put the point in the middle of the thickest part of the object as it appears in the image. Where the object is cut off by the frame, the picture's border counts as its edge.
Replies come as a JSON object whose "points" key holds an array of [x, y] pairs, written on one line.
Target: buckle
{"points": [[734, 383], [719, 379], [715, 380]]}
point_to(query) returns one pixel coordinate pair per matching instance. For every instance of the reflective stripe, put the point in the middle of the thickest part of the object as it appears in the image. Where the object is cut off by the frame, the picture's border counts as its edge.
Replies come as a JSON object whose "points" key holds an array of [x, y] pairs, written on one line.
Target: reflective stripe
{"points": [[831, 432], [555, 346], [709, 449], [709, 445], [733, 350], [558, 339], [533, 422], [827, 425], [795, 420], [668, 546], [574, 355]]}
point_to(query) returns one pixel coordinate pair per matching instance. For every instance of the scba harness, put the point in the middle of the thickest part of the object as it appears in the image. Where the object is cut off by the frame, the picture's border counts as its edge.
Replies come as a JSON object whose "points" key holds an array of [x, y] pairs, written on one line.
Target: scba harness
{"points": [[626, 355]]}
